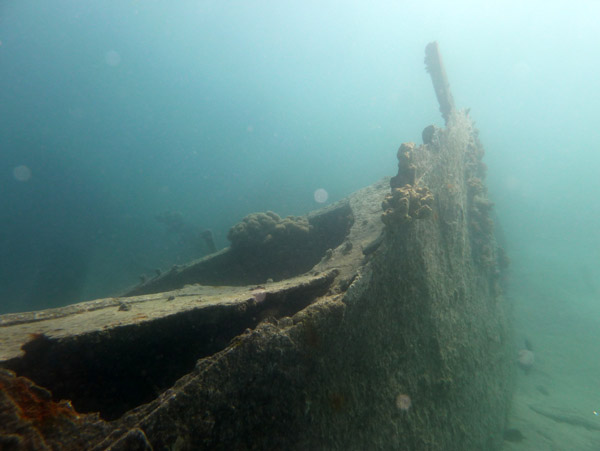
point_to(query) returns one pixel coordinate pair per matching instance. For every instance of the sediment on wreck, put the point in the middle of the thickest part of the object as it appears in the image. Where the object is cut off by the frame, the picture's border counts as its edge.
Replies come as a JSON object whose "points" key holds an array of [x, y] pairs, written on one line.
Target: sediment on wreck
{"points": [[414, 354], [434, 326], [398, 336]]}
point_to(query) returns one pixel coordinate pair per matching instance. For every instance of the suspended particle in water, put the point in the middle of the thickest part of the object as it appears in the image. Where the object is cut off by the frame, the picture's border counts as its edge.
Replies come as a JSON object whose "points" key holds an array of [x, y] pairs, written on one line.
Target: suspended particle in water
{"points": [[22, 173], [403, 402], [112, 58], [321, 196]]}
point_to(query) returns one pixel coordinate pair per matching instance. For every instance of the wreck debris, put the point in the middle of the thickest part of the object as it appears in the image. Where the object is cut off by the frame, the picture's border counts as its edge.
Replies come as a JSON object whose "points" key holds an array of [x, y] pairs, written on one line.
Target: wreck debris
{"points": [[32, 420], [435, 67], [345, 355], [406, 167], [428, 134]]}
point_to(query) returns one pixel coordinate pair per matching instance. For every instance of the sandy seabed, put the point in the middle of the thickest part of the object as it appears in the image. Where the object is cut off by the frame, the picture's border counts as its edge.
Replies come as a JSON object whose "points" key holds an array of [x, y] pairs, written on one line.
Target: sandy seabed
{"points": [[561, 319]]}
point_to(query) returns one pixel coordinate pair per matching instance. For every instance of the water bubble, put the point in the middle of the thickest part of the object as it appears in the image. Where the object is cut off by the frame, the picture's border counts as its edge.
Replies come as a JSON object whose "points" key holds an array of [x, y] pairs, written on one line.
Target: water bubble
{"points": [[321, 195], [112, 58], [22, 173], [403, 402]]}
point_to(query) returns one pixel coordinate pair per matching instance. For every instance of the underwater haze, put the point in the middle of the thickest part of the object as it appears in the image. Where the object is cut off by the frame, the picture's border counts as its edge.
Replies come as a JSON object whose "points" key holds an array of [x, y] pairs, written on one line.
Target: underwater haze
{"points": [[116, 112], [113, 113], [129, 127]]}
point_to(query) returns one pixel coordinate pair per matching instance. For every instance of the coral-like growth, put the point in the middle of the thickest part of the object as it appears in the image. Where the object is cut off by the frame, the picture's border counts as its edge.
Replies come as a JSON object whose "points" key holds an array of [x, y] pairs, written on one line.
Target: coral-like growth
{"points": [[259, 229], [406, 167], [407, 203]]}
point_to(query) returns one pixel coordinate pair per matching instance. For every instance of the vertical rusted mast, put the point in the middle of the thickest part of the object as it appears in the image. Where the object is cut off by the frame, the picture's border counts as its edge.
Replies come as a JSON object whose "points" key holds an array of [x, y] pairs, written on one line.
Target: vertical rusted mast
{"points": [[435, 67]]}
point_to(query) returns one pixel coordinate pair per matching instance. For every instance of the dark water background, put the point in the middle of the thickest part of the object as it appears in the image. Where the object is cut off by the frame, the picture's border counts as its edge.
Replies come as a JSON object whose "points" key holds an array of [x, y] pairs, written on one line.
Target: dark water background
{"points": [[123, 110]]}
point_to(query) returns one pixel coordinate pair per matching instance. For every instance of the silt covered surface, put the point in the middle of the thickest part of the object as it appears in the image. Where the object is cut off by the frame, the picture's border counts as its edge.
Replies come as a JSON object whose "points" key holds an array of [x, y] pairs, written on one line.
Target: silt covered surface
{"points": [[398, 338]]}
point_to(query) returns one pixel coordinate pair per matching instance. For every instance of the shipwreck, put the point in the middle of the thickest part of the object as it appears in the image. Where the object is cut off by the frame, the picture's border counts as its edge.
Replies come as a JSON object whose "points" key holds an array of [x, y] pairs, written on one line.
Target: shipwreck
{"points": [[377, 322]]}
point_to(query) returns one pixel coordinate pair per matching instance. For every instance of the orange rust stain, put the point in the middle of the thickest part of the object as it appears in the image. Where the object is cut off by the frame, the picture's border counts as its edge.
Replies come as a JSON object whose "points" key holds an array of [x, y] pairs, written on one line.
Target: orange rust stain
{"points": [[34, 404]]}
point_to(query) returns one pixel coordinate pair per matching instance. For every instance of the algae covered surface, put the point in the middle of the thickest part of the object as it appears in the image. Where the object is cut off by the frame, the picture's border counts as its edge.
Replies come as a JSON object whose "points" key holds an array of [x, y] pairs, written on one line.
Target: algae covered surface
{"points": [[398, 337]]}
